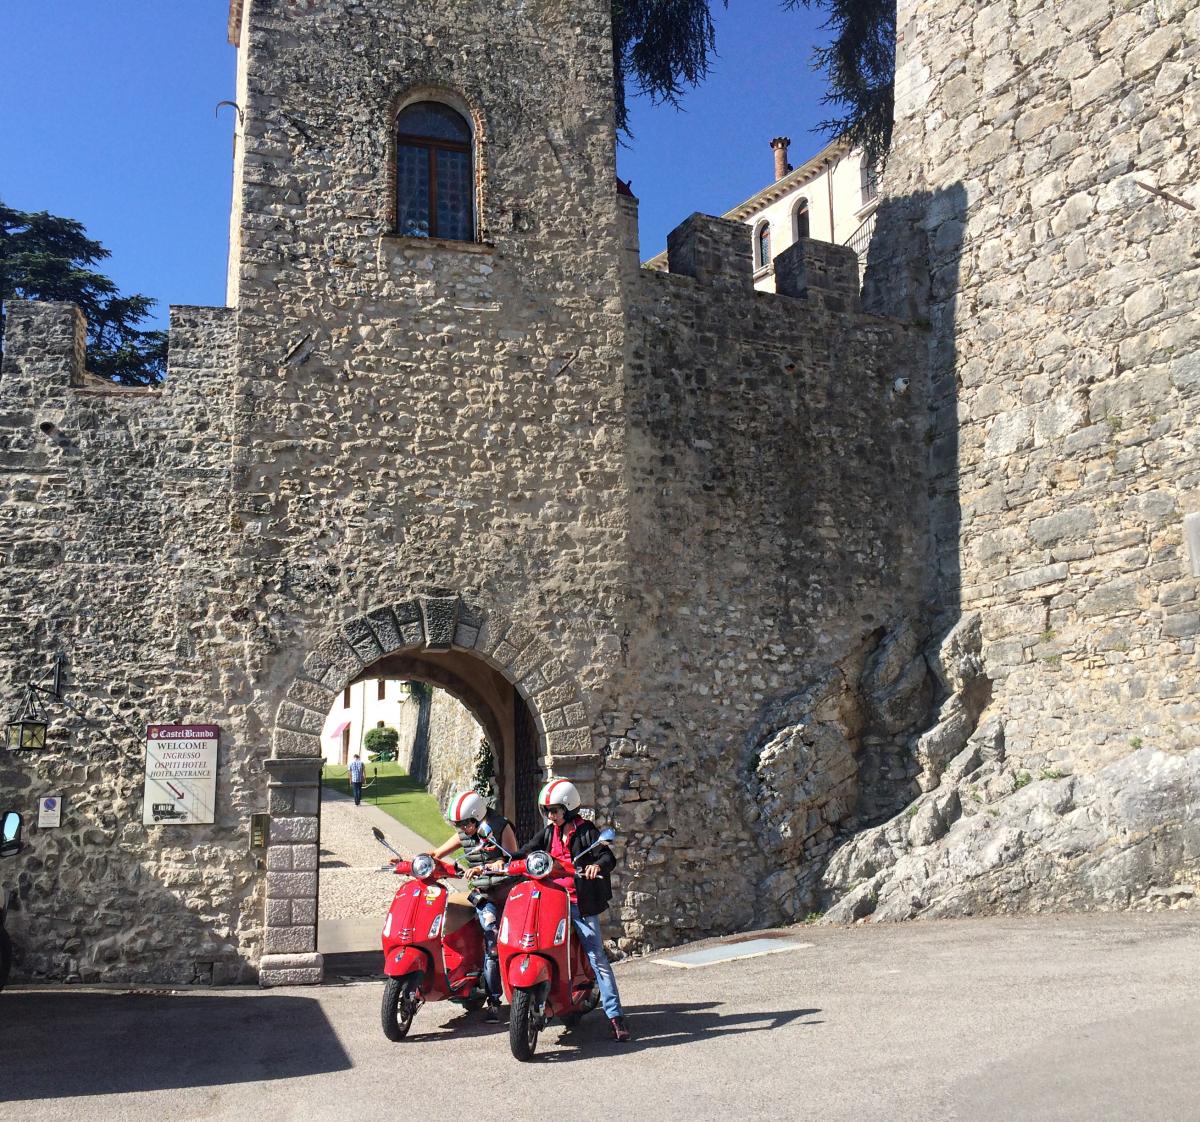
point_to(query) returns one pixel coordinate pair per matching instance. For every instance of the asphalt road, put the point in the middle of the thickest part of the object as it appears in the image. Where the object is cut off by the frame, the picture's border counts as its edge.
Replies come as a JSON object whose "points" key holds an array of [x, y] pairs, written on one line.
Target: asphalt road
{"points": [[1083, 1017]]}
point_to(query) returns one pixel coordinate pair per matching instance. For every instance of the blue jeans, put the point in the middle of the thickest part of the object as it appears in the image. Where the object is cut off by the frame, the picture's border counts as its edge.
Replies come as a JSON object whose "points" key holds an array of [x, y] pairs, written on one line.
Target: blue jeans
{"points": [[357, 789], [593, 946], [488, 915]]}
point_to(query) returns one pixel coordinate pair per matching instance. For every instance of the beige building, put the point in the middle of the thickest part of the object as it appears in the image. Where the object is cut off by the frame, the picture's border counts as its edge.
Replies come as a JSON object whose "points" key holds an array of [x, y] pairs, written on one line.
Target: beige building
{"points": [[831, 197], [375, 703]]}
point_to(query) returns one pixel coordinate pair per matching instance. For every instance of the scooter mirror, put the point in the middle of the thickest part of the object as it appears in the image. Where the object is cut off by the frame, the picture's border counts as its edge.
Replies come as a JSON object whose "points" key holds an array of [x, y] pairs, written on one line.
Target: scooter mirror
{"points": [[486, 830], [607, 834], [10, 834], [377, 833]]}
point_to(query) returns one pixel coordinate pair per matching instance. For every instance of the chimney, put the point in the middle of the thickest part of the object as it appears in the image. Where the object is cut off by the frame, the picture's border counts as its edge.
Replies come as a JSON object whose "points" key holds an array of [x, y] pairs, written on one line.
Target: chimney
{"points": [[780, 146]]}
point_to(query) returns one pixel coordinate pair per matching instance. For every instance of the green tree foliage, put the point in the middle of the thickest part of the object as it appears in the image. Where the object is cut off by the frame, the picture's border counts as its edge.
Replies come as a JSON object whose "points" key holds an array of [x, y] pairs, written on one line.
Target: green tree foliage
{"points": [[659, 48], [381, 744], [47, 258], [860, 67], [484, 776]]}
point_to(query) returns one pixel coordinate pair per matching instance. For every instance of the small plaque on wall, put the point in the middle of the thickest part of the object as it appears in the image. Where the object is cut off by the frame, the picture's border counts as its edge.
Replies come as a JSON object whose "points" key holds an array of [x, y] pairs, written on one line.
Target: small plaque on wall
{"points": [[49, 811]]}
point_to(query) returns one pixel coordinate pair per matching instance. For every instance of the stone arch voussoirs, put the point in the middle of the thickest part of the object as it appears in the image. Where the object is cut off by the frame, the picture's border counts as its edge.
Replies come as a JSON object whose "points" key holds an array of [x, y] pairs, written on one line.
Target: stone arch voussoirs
{"points": [[428, 622]]}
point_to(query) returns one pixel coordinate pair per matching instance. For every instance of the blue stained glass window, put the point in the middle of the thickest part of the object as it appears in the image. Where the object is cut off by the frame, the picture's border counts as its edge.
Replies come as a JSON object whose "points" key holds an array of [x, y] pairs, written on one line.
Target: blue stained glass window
{"points": [[431, 120], [412, 191], [454, 195], [435, 182]]}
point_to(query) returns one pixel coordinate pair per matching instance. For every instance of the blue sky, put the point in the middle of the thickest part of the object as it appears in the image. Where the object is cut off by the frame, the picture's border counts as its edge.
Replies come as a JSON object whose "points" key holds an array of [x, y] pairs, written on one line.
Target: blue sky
{"points": [[107, 116]]}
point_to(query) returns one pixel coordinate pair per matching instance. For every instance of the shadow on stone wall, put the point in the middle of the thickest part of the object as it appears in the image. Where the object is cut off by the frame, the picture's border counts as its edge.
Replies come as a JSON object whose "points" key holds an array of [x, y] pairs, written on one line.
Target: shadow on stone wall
{"points": [[72, 1044], [859, 741], [914, 274]]}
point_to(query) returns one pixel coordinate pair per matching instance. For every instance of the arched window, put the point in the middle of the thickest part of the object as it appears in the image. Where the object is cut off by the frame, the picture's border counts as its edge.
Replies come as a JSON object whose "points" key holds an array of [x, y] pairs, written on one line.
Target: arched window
{"points": [[435, 186], [762, 245], [800, 219]]}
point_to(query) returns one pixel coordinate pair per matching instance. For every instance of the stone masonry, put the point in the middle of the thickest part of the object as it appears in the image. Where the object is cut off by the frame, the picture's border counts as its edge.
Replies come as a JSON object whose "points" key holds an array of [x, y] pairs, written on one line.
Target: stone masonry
{"points": [[758, 570], [1042, 217]]}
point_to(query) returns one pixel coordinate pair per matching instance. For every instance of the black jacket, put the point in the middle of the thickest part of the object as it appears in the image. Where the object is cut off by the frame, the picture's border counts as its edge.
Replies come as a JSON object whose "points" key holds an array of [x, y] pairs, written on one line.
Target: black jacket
{"points": [[593, 895]]}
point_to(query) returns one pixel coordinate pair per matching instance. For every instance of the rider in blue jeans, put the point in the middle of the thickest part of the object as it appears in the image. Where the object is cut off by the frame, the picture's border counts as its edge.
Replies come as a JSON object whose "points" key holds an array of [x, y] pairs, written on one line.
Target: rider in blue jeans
{"points": [[467, 811], [566, 834]]}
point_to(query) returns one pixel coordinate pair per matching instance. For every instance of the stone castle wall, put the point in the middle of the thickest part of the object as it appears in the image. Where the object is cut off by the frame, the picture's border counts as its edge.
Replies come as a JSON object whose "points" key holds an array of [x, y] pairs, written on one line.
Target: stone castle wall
{"points": [[1040, 216], [454, 737], [431, 456], [114, 523], [736, 552], [777, 532]]}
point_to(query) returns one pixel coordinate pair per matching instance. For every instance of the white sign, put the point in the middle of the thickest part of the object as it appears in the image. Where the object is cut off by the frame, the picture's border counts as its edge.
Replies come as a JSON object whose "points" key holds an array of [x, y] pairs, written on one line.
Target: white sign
{"points": [[49, 811], [181, 775]]}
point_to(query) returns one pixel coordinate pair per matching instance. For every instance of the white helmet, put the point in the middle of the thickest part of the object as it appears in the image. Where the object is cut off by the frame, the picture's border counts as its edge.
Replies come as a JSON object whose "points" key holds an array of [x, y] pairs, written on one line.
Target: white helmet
{"points": [[467, 804], [559, 792]]}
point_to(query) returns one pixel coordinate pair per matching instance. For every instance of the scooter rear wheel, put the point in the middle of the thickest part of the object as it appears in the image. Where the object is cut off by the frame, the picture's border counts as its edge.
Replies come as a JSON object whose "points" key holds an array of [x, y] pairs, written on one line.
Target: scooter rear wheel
{"points": [[400, 1001], [524, 1024]]}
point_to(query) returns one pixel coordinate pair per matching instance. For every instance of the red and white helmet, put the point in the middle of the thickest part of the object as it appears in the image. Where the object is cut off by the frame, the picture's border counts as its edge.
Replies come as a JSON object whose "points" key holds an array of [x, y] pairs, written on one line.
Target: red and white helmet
{"points": [[559, 792], [467, 804]]}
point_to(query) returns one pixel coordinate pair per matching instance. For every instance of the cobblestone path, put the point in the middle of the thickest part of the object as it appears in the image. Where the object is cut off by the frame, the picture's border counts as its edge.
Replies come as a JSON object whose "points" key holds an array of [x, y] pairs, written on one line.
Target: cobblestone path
{"points": [[351, 886]]}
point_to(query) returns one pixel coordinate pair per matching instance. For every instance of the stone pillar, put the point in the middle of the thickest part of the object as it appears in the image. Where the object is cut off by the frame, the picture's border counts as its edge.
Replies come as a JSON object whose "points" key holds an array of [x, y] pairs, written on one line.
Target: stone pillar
{"points": [[715, 251], [290, 944], [627, 214], [45, 348], [819, 271]]}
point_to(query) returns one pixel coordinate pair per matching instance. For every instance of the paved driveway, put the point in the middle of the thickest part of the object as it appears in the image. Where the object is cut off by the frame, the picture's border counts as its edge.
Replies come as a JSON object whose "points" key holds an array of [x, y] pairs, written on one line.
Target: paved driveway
{"points": [[1083, 1017]]}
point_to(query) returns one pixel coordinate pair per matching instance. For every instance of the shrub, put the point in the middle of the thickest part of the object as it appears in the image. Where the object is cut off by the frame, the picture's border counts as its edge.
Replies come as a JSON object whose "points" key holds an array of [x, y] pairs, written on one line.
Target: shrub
{"points": [[381, 744]]}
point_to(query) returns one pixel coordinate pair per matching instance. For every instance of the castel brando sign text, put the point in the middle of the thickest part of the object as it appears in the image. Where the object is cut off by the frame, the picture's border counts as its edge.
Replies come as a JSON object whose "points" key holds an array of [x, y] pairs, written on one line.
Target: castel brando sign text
{"points": [[181, 774]]}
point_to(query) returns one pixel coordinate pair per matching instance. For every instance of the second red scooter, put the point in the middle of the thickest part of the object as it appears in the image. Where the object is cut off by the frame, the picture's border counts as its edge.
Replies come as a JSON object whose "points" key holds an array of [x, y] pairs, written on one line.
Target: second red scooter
{"points": [[432, 946]]}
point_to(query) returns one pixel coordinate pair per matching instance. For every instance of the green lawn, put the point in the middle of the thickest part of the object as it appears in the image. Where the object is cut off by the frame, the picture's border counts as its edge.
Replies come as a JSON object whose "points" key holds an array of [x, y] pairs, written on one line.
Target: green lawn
{"points": [[398, 794]]}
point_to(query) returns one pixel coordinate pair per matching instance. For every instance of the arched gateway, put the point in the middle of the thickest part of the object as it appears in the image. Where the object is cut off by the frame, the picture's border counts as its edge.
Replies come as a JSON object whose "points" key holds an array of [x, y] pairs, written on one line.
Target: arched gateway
{"points": [[510, 681]]}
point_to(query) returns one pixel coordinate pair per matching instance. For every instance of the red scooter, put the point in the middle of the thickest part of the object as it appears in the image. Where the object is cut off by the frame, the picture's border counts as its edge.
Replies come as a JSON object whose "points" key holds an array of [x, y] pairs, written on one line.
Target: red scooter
{"points": [[432, 945], [543, 966]]}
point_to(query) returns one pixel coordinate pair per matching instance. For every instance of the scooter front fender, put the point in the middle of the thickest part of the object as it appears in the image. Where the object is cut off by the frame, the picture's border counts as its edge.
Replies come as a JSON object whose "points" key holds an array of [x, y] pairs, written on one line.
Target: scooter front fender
{"points": [[527, 970], [409, 960]]}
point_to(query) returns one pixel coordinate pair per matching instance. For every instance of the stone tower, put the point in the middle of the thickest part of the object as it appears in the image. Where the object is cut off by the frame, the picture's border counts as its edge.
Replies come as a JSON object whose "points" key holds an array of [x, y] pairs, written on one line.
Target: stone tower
{"points": [[428, 421]]}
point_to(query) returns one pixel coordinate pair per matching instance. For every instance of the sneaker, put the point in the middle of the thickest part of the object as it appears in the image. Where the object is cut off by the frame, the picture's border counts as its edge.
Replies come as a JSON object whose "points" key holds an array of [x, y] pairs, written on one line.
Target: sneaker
{"points": [[619, 1030], [491, 1013]]}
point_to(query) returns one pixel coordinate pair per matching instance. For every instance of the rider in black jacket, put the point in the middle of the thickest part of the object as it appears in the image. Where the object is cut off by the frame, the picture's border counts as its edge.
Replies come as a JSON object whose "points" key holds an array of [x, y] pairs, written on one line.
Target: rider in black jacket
{"points": [[565, 836]]}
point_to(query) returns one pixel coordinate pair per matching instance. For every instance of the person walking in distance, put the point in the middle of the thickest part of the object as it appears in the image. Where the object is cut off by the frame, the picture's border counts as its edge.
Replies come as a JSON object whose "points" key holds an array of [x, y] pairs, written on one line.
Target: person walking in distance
{"points": [[357, 771]]}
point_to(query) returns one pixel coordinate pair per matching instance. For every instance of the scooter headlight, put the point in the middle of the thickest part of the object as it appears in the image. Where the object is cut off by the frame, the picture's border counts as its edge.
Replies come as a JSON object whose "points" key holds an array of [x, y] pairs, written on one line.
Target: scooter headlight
{"points": [[435, 927], [504, 930], [387, 925], [560, 932], [422, 866], [538, 864]]}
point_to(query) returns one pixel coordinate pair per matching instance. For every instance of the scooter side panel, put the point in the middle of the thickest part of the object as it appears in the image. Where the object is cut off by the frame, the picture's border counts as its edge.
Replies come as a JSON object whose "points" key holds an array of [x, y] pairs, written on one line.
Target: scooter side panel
{"points": [[533, 915], [415, 923], [462, 952]]}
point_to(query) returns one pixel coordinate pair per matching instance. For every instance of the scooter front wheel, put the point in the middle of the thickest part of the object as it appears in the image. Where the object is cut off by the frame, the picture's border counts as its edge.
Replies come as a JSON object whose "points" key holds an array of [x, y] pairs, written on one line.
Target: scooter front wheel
{"points": [[400, 1001], [524, 1024]]}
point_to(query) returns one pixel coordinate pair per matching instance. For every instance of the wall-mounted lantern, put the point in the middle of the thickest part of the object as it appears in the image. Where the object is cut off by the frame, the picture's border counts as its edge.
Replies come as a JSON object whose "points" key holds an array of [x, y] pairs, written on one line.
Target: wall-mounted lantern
{"points": [[26, 732]]}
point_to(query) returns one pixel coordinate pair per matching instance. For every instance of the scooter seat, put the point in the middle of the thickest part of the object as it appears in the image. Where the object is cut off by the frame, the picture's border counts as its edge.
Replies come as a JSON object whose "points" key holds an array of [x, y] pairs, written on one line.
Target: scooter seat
{"points": [[458, 912]]}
